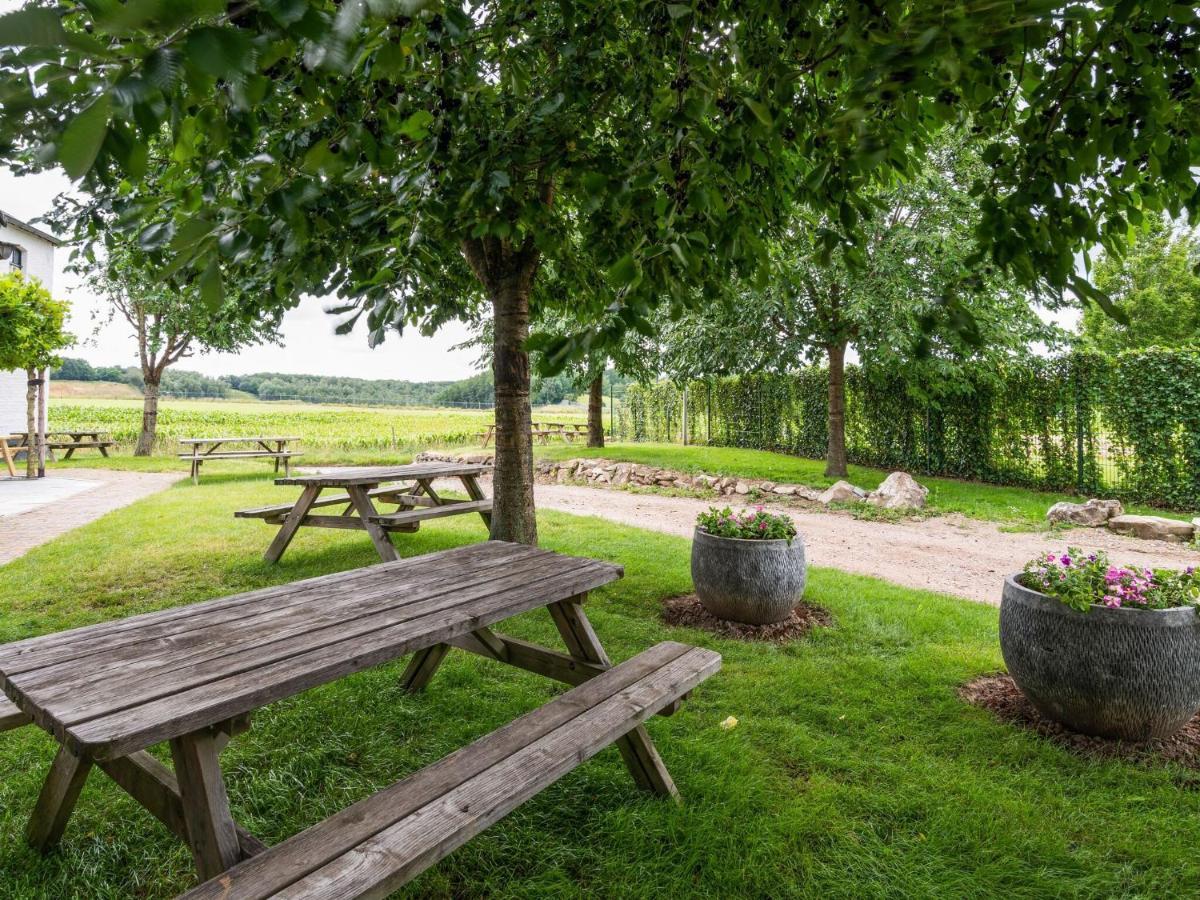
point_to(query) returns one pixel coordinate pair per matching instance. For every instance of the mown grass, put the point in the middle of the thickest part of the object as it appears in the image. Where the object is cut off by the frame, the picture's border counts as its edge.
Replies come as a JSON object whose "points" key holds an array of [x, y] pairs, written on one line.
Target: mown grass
{"points": [[1013, 505], [854, 772]]}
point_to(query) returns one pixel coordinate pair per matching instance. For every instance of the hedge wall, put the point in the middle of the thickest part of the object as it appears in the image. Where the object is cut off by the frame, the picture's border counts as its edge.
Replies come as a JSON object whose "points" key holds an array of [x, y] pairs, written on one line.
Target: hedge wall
{"points": [[1128, 426]]}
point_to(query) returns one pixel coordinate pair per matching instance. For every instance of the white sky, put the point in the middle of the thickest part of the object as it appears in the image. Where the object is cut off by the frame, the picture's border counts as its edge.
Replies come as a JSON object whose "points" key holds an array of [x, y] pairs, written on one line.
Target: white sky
{"points": [[309, 344]]}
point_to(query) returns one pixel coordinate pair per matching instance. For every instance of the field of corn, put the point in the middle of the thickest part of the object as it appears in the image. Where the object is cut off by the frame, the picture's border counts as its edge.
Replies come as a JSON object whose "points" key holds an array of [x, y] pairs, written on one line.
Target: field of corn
{"points": [[334, 427]]}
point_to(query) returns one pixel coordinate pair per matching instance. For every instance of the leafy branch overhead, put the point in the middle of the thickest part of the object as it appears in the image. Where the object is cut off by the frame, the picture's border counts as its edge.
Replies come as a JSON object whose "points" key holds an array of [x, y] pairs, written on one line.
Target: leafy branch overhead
{"points": [[275, 147]]}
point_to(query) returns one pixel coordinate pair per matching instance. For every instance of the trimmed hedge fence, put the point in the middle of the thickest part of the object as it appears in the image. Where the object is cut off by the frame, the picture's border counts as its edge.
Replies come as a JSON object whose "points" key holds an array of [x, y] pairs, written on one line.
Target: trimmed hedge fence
{"points": [[1127, 426]]}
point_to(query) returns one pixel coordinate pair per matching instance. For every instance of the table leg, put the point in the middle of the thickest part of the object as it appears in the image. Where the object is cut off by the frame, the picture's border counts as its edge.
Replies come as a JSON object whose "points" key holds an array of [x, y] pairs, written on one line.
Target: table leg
{"points": [[292, 523], [70, 450], [470, 484], [422, 667], [8, 460], [211, 831], [57, 799], [104, 451], [379, 537], [641, 758]]}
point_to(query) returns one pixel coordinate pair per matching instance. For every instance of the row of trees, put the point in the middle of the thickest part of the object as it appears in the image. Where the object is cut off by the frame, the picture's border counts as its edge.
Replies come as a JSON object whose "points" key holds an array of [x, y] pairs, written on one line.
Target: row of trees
{"points": [[503, 159]]}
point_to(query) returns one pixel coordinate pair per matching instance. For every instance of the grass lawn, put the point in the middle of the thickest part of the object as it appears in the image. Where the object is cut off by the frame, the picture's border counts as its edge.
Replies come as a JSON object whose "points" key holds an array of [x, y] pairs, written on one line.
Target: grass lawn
{"points": [[854, 772], [1014, 505]]}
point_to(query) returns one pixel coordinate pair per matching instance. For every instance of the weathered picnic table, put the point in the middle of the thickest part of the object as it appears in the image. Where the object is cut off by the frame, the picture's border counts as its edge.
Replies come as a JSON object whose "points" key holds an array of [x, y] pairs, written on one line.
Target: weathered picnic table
{"points": [[543, 431], [409, 487], [194, 675], [203, 449], [87, 439]]}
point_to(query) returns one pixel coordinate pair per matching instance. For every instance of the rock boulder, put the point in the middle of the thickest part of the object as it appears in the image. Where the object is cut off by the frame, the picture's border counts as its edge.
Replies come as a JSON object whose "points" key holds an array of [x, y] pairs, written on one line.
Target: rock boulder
{"points": [[841, 492], [1153, 528], [899, 491], [1092, 514]]}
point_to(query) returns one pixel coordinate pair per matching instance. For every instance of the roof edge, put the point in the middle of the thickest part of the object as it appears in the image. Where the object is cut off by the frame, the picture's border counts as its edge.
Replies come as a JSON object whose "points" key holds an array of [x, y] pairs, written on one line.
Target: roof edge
{"points": [[8, 219]]}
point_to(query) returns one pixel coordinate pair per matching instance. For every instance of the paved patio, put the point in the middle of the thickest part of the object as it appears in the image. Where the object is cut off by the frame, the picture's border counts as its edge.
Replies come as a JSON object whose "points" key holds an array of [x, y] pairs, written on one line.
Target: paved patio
{"points": [[34, 512]]}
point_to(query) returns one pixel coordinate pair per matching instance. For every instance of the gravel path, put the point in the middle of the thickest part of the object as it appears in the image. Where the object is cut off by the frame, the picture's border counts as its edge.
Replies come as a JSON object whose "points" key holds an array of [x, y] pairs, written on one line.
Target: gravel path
{"points": [[949, 554], [70, 498]]}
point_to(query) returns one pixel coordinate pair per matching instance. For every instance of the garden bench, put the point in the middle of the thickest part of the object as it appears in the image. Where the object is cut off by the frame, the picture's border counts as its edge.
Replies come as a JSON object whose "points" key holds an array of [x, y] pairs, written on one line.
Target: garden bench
{"points": [[410, 487], [69, 441], [204, 449], [379, 844], [193, 676]]}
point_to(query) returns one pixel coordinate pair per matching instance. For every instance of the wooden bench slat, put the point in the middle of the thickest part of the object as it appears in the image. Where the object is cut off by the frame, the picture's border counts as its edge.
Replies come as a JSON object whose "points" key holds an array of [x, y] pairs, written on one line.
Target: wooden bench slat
{"points": [[78, 643], [382, 842], [432, 512], [126, 680], [215, 701], [11, 716], [243, 454], [382, 493]]}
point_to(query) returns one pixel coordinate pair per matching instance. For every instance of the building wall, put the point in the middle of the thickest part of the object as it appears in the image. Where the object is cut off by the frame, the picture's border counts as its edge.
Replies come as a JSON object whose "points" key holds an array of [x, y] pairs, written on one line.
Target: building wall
{"points": [[39, 262]]}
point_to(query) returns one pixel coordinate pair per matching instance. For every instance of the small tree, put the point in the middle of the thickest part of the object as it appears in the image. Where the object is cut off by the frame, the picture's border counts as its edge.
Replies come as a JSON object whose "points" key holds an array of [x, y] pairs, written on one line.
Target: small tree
{"points": [[169, 324], [1156, 284], [31, 334]]}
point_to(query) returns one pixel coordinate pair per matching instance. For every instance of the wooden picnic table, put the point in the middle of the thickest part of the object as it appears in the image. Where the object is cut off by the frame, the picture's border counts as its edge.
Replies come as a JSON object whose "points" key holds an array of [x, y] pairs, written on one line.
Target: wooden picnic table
{"points": [[543, 431], [70, 440], [408, 487], [203, 449], [9, 443], [194, 675]]}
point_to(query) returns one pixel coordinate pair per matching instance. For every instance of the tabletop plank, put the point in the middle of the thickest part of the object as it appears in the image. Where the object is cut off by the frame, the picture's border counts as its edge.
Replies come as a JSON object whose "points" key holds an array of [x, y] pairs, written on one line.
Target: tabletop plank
{"points": [[358, 475], [241, 653], [237, 440]]}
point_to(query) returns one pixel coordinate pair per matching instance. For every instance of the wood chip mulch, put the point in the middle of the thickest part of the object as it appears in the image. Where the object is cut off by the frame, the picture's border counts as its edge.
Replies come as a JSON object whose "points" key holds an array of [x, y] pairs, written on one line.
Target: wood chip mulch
{"points": [[1000, 695], [686, 611]]}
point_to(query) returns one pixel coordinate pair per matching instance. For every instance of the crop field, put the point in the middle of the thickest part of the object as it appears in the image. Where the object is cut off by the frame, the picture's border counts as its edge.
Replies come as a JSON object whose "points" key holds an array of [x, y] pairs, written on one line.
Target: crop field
{"points": [[334, 427]]}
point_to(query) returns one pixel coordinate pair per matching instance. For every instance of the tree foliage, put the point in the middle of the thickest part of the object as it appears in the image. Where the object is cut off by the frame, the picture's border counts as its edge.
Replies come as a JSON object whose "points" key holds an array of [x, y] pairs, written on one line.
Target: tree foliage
{"points": [[32, 324], [1156, 283]]}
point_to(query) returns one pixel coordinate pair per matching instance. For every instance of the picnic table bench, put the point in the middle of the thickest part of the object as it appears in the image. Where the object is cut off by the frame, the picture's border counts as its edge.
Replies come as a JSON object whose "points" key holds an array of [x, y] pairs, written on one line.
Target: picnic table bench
{"points": [[194, 675], [72, 440], [543, 431], [408, 487], [203, 449]]}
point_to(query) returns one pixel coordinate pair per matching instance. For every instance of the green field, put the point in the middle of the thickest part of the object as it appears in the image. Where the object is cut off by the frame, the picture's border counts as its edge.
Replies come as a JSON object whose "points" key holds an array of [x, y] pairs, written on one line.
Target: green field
{"points": [[353, 428]]}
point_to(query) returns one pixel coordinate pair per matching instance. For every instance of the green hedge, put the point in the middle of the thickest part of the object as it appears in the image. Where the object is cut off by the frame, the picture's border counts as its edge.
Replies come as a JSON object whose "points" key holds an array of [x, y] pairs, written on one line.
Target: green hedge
{"points": [[1128, 426]]}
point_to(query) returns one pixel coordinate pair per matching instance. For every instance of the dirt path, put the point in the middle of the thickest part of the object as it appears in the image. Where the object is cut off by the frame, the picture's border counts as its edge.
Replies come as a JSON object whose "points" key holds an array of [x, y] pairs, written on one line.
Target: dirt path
{"points": [[949, 554]]}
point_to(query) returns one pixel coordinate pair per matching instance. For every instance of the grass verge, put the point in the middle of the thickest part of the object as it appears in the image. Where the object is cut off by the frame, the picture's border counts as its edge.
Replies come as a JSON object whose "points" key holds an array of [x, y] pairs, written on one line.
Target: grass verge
{"points": [[855, 770]]}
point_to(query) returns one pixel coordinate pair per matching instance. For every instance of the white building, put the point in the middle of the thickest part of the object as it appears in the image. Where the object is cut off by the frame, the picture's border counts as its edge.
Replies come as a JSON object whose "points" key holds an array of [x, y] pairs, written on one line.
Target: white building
{"points": [[30, 250]]}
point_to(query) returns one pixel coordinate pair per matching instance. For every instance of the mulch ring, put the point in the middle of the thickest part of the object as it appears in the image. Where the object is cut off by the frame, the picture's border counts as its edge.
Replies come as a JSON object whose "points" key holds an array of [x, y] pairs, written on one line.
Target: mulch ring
{"points": [[687, 612], [1000, 695]]}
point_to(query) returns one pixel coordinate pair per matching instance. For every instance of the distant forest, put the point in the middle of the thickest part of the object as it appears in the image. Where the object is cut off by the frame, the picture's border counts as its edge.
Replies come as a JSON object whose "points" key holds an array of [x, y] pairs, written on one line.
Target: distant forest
{"points": [[476, 391]]}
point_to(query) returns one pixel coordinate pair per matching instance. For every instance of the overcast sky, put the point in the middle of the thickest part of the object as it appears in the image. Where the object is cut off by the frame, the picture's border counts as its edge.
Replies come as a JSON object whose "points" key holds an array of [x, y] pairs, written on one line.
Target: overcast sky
{"points": [[309, 344]]}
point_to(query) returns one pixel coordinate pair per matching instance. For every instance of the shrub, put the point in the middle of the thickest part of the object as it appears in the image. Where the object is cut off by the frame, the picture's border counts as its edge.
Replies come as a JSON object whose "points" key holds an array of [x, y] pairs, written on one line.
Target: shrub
{"points": [[1084, 580], [750, 525]]}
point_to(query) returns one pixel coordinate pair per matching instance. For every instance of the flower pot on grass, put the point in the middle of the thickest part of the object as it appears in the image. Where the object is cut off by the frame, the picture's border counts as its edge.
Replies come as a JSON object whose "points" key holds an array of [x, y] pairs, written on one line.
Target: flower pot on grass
{"points": [[1127, 666], [748, 568]]}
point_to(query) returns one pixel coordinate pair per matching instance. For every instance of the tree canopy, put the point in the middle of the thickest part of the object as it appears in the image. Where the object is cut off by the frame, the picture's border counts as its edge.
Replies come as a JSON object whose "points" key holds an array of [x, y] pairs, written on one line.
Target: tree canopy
{"points": [[421, 156], [32, 324], [1156, 284]]}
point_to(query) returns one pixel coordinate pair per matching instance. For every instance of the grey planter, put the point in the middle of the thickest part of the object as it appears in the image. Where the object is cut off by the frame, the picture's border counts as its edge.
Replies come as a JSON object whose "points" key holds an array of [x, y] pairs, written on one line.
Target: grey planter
{"points": [[751, 581], [1117, 673]]}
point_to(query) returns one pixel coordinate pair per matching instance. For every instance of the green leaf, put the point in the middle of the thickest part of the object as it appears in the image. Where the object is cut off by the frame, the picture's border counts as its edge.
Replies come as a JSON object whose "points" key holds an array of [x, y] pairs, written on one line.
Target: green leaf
{"points": [[417, 125], [678, 10], [624, 272], [760, 111], [38, 27], [220, 52], [81, 139], [212, 289]]}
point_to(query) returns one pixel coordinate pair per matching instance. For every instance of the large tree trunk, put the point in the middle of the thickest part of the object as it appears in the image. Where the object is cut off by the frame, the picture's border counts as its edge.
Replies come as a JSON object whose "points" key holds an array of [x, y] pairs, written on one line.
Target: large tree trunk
{"points": [[835, 456], [145, 443], [513, 516], [32, 425], [596, 412]]}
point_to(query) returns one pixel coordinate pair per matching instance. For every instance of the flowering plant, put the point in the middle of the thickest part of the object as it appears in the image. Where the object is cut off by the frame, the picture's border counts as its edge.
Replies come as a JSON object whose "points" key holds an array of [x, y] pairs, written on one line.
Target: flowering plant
{"points": [[750, 525], [1081, 580]]}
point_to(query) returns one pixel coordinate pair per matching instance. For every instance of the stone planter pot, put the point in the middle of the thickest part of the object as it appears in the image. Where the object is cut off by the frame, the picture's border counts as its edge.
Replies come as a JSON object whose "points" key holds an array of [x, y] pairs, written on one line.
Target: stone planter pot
{"points": [[1117, 673], [751, 581]]}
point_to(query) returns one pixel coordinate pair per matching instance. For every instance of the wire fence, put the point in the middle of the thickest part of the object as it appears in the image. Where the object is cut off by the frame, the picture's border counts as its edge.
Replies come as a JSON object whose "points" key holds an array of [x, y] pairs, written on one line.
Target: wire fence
{"points": [[1126, 427]]}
